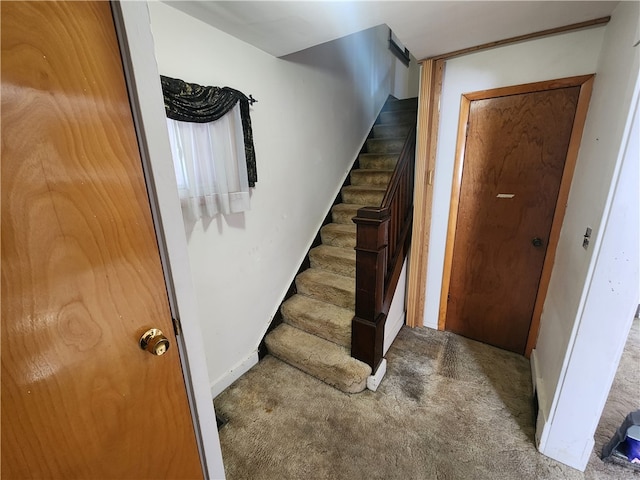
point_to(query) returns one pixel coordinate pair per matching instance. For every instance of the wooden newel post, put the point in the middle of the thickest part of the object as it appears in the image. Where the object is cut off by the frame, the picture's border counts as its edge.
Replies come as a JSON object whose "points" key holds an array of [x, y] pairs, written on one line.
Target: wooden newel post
{"points": [[367, 327]]}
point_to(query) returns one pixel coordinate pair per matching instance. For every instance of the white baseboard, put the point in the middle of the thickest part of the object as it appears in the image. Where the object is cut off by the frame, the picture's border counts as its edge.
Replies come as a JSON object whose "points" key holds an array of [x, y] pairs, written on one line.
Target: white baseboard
{"points": [[562, 455], [391, 329], [373, 382], [542, 431], [533, 361], [218, 386]]}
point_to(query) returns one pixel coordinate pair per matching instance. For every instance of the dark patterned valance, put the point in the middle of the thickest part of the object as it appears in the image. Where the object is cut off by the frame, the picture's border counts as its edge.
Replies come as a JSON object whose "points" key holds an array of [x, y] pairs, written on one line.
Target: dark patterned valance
{"points": [[190, 102]]}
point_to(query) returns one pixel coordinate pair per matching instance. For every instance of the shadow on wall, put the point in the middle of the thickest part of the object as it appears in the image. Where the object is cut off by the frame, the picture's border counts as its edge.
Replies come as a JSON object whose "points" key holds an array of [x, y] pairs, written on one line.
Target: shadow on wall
{"points": [[233, 220], [352, 54]]}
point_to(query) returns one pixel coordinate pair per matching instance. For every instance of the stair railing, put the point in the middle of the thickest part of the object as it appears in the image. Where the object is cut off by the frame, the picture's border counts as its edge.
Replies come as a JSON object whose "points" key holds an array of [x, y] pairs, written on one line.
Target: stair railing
{"points": [[382, 240]]}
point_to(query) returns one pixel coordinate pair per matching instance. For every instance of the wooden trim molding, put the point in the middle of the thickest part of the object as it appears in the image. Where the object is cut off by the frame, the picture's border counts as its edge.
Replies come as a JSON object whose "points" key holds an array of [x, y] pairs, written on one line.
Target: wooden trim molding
{"points": [[521, 38], [453, 209], [586, 87], [586, 83], [528, 87], [428, 121]]}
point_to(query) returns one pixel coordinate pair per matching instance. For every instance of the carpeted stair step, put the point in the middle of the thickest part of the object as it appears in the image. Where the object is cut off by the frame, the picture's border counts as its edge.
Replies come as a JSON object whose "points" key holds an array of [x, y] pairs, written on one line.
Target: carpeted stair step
{"points": [[400, 116], [344, 212], [327, 287], [365, 177], [338, 260], [378, 161], [320, 358], [403, 104], [322, 319], [385, 145], [339, 234], [391, 131], [369, 195]]}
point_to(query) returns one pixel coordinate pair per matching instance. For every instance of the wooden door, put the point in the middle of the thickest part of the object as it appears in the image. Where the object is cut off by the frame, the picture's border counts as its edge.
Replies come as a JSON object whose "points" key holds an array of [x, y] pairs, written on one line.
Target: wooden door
{"points": [[514, 159], [81, 272]]}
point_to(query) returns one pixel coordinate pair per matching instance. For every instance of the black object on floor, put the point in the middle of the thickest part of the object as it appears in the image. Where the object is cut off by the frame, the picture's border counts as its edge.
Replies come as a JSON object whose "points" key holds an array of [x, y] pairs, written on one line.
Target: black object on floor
{"points": [[220, 421]]}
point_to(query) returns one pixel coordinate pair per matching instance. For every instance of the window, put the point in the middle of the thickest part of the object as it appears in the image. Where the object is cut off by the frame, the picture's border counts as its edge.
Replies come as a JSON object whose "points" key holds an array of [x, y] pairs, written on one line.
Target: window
{"points": [[212, 147], [210, 165]]}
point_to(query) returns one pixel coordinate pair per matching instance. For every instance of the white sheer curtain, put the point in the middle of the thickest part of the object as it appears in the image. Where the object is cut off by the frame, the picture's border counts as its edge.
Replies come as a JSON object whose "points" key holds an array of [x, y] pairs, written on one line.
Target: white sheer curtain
{"points": [[210, 165]]}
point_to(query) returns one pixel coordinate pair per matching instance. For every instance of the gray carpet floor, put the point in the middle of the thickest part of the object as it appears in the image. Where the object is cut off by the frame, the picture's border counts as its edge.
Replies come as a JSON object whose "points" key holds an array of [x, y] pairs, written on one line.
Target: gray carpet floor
{"points": [[449, 408]]}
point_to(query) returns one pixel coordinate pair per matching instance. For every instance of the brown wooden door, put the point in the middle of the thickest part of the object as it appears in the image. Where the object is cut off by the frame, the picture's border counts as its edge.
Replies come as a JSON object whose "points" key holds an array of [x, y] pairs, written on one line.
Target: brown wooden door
{"points": [[515, 153], [81, 272]]}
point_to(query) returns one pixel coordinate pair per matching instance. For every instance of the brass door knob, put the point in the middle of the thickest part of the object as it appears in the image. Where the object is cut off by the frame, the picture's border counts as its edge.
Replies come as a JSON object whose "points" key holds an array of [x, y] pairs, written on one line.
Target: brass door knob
{"points": [[154, 342]]}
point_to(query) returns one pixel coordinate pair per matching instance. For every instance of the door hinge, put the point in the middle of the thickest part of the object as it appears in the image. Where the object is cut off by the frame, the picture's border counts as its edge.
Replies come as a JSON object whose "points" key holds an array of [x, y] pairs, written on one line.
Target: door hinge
{"points": [[176, 326]]}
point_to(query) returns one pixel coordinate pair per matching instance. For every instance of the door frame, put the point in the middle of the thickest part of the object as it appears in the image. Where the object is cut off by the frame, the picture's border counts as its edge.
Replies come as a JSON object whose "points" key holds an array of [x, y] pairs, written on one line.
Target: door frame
{"points": [[133, 29], [431, 75], [585, 82]]}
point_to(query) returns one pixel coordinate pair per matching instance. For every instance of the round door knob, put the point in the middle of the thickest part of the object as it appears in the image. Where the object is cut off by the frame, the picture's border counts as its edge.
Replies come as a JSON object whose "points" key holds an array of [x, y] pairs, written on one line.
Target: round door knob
{"points": [[154, 342], [536, 242]]}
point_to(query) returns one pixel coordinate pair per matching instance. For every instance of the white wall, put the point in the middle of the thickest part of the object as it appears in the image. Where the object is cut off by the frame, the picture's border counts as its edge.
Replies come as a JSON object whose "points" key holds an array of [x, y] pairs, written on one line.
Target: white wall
{"points": [[548, 58], [136, 42], [314, 110], [397, 310], [593, 294], [603, 325]]}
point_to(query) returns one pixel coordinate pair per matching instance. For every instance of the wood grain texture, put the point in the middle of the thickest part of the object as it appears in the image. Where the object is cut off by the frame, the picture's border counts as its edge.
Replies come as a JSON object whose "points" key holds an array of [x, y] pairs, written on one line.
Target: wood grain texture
{"points": [[515, 145], [529, 87], [81, 276], [521, 38], [453, 209], [428, 121]]}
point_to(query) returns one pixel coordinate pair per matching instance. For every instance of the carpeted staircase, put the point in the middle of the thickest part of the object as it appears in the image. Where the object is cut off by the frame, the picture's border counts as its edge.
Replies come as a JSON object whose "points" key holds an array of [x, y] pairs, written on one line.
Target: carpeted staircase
{"points": [[316, 334]]}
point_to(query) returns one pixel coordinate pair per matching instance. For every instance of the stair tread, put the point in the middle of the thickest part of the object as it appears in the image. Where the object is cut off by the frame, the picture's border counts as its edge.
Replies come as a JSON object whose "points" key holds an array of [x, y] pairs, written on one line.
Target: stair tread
{"points": [[342, 252], [365, 187], [318, 357], [339, 234], [366, 177], [400, 104], [328, 287], [369, 195], [347, 206], [341, 227], [398, 116], [393, 156], [317, 275], [319, 318], [394, 124], [385, 130], [379, 155], [344, 212], [373, 171], [336, 259], [386, 139], [385, 145], [377, 160]]}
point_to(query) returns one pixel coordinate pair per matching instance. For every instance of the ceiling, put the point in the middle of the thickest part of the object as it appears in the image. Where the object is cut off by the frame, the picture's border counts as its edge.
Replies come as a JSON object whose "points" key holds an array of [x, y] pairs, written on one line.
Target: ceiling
{"points": [[426, 28]]}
